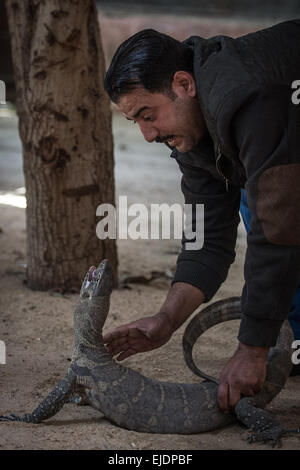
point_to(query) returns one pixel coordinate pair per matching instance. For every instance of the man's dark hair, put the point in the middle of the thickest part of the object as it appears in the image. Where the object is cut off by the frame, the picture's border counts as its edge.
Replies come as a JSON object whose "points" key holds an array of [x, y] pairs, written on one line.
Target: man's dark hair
{"points": [[147, 59]]}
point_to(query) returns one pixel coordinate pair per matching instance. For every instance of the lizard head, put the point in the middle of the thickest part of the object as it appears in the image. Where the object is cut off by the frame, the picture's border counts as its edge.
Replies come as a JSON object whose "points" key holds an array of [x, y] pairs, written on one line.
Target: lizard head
{"points": [[98, 282], [92, 308]]}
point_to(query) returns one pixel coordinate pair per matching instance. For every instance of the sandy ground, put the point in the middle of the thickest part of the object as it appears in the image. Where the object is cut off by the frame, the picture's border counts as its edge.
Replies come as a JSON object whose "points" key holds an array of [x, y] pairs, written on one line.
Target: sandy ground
{"points": [[38, 332]]}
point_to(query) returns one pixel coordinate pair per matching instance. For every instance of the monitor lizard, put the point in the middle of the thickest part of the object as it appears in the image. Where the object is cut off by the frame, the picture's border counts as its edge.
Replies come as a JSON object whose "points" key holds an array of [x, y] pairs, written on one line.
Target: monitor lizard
{"points": [[135, 402]]}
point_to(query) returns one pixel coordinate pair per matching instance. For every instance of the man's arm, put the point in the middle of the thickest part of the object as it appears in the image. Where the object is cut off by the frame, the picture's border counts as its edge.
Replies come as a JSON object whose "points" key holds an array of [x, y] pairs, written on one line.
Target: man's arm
{"points": [[208, 267], [199, 273], [268, 138], [266, 135]]}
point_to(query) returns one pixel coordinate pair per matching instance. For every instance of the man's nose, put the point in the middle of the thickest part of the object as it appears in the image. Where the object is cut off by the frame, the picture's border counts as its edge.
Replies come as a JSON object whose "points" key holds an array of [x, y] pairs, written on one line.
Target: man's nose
{"points": [[149, 132]]}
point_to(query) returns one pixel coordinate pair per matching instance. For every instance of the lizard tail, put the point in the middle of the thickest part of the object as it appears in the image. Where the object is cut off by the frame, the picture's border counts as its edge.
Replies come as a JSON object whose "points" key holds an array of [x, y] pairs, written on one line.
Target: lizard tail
{"points": [[218, 312]]}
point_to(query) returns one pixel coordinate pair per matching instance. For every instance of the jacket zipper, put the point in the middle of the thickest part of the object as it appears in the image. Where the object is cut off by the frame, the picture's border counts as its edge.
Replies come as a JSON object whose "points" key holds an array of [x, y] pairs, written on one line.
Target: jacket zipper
{"points": [[219, 155]]}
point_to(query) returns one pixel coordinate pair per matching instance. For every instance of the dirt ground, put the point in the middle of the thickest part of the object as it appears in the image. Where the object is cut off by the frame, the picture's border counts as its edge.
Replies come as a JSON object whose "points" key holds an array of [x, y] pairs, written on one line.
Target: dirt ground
{"points": [[38, 331]]}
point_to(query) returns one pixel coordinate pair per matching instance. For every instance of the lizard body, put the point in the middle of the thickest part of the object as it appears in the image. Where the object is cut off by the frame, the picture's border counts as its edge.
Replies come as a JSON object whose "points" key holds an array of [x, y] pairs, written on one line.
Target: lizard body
{"points": [[133, 401]]}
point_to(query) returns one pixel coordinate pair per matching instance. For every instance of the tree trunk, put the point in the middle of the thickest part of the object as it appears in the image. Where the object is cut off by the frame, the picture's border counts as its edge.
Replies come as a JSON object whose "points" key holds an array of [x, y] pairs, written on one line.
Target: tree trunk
{"points": [[65, 128]]}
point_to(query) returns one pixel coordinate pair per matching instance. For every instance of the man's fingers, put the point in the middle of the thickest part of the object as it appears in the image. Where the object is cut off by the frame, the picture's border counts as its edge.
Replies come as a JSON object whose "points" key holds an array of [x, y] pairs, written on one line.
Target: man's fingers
{"points": [[123, 332], [234, 396], [113, 335], [249, 393], [122, 340], [117, 342], [126, 354], [118, 333], [114, 349], [228, 396], [223, 397]]}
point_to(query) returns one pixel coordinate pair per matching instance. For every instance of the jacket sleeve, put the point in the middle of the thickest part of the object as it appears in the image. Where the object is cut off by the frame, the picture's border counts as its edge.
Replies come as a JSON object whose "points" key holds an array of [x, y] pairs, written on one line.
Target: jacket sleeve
{"points": [[268, 141], [207, 268]]}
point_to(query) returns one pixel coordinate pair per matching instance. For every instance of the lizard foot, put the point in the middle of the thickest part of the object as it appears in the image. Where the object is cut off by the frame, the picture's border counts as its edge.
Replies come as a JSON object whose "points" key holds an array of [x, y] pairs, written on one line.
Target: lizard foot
{"points": [[262, 425], [269, 435]]}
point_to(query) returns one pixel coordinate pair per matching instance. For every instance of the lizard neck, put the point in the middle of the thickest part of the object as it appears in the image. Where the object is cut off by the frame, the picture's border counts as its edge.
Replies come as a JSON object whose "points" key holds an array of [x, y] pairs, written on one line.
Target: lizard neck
{"points": [[89, 318]]}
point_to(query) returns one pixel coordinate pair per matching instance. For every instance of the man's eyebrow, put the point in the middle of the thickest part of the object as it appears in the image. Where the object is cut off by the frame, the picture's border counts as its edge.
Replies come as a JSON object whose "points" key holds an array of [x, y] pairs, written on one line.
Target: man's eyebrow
{"points": [[138, 113]]}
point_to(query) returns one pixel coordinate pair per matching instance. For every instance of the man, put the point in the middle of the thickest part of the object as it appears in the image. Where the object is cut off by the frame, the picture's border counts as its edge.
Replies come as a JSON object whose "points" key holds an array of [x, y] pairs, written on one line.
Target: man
{"points": [[224, 106]]}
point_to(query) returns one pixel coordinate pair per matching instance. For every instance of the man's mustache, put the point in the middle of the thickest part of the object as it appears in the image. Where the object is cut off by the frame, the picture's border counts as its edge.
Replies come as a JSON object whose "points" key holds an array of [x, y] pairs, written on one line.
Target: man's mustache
{"points": [[164, 139]]}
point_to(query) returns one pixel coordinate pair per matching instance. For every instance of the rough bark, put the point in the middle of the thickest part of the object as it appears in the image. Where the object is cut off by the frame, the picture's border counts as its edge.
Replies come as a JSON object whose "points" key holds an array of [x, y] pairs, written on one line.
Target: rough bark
{"points": [[65, 128]]}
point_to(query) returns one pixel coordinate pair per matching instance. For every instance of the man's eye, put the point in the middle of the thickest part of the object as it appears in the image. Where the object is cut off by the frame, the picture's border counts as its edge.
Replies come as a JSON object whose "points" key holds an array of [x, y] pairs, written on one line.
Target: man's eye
{"points": [[148, 118]]}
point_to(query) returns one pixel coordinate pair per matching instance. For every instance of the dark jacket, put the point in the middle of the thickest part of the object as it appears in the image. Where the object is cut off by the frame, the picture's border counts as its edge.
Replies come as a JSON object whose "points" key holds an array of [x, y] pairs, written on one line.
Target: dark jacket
{"points": [[244, 87]]}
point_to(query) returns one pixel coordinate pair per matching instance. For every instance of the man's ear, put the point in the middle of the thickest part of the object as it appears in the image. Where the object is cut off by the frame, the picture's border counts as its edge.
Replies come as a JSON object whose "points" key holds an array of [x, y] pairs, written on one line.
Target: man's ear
{"points": [[184, 84]]}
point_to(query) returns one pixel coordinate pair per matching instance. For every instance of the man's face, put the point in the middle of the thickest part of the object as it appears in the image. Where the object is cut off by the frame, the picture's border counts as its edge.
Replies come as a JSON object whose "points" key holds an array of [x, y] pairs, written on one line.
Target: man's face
{"points": [[176, 119]]}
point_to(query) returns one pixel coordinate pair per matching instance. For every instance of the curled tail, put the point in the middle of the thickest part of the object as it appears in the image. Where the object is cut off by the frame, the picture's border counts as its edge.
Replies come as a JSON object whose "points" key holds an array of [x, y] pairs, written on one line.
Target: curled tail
{"points": [[218, 312], [279, 362]]}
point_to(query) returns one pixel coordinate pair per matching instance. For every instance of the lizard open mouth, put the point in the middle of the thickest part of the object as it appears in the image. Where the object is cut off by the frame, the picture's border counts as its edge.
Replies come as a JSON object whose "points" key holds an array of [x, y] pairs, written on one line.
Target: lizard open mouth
{"points": [[98, 281], [91, 273]]}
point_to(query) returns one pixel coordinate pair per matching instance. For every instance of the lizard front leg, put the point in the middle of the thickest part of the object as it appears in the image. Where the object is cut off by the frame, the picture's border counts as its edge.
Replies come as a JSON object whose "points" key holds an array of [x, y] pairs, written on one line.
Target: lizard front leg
{"points": [[51, 404]]}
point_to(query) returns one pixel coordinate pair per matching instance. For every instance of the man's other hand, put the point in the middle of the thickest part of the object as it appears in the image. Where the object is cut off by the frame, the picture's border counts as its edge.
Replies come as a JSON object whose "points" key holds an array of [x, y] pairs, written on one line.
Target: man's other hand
{"points": [[141, 335], [243, 375]]}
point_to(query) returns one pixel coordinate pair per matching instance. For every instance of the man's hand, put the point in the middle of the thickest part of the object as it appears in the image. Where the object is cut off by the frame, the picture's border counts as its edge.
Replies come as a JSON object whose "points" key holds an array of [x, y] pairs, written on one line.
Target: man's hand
{"points": [[244, 375], [141, 335], [152, 332]]}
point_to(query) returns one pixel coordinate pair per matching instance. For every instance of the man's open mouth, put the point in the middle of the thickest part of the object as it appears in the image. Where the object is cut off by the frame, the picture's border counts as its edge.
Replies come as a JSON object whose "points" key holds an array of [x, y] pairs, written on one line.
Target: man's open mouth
{"points": [[170, 140]]}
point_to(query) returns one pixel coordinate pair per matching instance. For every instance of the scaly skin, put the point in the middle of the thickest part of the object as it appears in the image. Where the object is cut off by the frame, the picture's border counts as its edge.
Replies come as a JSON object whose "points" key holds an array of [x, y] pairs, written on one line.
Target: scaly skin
{"points": [[125, 396]]}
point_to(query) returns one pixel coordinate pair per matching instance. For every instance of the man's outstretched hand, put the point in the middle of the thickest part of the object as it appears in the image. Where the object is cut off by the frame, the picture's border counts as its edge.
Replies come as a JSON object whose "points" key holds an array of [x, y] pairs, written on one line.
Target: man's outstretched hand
{"points": [[244, 375], [152, 332], [141, 335]]}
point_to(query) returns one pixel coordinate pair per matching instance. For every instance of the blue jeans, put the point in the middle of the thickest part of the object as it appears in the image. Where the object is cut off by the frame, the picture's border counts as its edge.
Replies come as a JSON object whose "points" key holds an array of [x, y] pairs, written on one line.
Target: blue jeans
{"points": [[294, 314]]}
